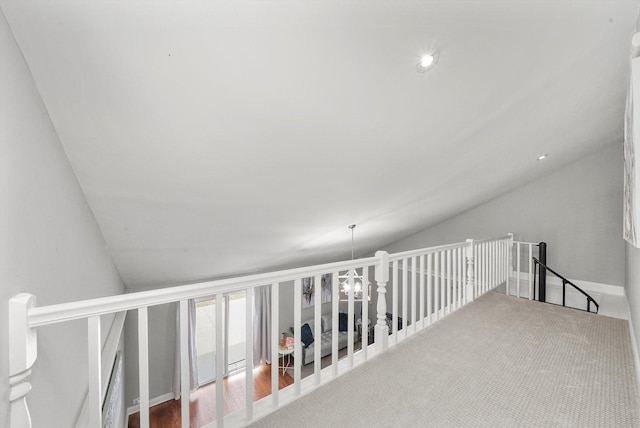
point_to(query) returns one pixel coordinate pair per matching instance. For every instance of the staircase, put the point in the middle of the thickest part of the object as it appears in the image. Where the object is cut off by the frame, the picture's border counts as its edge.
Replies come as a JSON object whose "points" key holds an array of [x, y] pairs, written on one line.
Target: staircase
{"points": [[528, 269]]}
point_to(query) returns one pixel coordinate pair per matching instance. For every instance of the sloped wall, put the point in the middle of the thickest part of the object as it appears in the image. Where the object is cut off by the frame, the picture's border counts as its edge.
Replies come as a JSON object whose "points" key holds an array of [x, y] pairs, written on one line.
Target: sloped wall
{"points": [[577, 211], [51, 245]]}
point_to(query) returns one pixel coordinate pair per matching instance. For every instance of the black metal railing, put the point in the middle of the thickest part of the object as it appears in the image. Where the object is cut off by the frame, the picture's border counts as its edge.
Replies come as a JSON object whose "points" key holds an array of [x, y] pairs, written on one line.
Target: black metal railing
{"points": [[537, 264]]}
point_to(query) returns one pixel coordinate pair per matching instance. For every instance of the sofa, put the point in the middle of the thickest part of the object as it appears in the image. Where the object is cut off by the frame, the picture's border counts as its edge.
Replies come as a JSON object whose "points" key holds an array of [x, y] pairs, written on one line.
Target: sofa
{"points": [[326, 339]]}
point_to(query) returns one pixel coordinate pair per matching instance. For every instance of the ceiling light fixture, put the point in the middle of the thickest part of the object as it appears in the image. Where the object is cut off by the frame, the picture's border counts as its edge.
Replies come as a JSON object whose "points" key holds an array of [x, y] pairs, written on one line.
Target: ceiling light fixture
{"points": [[426, 62], [542, 157], [345, 286]]}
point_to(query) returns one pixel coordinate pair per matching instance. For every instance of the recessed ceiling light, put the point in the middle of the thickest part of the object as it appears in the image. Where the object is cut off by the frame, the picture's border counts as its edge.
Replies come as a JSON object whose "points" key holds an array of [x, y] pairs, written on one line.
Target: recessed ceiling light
{"points": [[427, 61], [542, 157]]}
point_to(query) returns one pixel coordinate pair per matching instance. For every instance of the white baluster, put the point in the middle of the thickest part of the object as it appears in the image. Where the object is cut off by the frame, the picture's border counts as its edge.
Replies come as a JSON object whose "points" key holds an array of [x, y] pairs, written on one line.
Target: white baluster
{"points": [[483, 266], [143, 365], [422, 296], [449, 300], [364, 318], [518, 269], [455, 259], [506, 245], [430, 287], [185, 375], [495, 259], [94, 348], [317, 333], [436, 285], [500, 264], [335, 323], [23, 350], [463, 276], [248, 369], [275, 336], [510, 258], [382, 277], [220, 353], [414, 297], [470, 270], [405, 296], [394, 302], [532, 291], [297, 344], [443, 282]]}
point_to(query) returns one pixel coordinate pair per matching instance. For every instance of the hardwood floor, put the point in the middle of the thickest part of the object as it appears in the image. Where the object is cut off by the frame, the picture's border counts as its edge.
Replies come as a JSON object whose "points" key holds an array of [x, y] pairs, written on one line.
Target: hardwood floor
{"points": [[202, 403]]}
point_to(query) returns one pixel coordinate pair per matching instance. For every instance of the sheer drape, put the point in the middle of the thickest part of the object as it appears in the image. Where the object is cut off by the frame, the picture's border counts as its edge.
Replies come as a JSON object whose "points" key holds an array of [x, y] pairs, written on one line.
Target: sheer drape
{"points": [[193, 356], [262, 325]]}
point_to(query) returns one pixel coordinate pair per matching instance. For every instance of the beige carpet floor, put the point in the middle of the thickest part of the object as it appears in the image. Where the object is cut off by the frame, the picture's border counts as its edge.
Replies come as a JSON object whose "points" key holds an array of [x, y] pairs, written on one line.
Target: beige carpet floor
{"points": [[498, 362]]}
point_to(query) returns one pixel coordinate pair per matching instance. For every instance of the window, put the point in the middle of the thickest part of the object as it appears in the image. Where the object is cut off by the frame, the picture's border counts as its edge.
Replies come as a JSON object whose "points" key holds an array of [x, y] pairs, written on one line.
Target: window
{"points": [[234, 324]]}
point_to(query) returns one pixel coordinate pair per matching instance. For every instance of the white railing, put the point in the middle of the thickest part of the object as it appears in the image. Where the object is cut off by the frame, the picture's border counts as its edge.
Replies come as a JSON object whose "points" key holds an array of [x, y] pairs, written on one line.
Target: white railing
{"points": [[522, 269], [428, 283]]}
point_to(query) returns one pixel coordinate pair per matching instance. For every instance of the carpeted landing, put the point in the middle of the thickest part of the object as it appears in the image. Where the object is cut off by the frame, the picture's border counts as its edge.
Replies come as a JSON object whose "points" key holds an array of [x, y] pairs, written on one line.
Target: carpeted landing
{"points": [[498, 362]]}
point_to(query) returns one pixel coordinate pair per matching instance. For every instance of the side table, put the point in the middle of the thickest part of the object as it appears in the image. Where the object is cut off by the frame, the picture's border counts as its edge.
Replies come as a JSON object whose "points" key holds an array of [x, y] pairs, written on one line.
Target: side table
{"points": [[285, 354]]}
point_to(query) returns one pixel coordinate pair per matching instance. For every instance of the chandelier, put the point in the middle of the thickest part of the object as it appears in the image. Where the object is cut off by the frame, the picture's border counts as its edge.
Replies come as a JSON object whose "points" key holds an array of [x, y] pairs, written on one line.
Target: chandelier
{"points": [[358, 280]]}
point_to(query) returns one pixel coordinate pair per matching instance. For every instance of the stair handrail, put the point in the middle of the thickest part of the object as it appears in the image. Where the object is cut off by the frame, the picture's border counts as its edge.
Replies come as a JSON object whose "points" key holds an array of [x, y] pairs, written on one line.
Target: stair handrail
{"points": [[565, 281]]}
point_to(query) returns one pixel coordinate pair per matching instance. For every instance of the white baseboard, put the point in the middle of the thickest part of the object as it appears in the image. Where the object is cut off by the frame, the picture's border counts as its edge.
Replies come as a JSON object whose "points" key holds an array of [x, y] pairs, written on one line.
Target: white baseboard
{"points": [[152, 402], [596, 287], [634, 346], [611, 298]]}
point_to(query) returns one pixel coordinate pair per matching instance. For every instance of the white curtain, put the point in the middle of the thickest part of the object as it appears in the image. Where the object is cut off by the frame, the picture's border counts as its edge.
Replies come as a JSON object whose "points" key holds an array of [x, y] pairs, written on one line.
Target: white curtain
{"points": [[262, 326], [193, 356]]}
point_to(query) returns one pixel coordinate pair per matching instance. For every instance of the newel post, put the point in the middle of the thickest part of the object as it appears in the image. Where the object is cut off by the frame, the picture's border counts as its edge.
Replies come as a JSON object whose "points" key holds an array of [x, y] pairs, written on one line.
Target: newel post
{"points": [[470, 291], [22, 354], [382, 277]]}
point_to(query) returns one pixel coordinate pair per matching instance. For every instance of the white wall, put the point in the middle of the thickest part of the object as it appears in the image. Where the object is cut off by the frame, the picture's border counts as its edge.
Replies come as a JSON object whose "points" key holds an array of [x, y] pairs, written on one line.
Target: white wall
{"points": [[51, 245], [577, 211]]}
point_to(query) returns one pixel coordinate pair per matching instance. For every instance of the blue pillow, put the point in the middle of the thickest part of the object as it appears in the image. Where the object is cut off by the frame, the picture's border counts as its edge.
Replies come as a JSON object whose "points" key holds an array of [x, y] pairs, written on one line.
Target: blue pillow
{"points": [[343, 322], [306, 335]]}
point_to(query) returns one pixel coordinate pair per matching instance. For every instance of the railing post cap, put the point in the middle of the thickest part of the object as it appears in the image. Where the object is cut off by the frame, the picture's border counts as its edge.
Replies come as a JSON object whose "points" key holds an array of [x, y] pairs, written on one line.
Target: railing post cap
{"points": [[23, 348], [24, 299], [382, 267]]}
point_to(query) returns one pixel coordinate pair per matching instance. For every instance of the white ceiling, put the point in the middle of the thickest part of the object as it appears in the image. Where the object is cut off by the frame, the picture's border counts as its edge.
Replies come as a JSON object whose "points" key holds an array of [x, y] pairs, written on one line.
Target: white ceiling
{"points": [[218, 137]]}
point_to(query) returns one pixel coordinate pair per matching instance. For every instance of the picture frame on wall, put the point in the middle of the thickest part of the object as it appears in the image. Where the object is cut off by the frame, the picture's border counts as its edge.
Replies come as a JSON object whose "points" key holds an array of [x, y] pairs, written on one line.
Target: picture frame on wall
{"points": [[308, 290], [326, 287], [631, 210]]}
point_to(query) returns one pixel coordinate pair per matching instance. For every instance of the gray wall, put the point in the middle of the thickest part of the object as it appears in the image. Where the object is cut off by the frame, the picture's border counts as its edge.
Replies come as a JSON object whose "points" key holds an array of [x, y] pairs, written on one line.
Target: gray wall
{"points": [[162, 348], [577, 211], [51, 245], [632, 288]]}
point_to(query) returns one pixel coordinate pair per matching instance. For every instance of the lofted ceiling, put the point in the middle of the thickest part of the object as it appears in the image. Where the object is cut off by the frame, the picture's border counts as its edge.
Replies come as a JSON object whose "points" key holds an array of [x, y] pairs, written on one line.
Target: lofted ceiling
{"points": [[213, 138]]}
